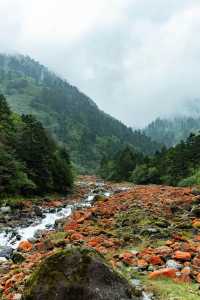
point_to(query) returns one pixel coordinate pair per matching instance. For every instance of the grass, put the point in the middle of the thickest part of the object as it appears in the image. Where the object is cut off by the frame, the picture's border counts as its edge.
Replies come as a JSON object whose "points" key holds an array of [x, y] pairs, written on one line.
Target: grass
{"points": [[166, 289]]}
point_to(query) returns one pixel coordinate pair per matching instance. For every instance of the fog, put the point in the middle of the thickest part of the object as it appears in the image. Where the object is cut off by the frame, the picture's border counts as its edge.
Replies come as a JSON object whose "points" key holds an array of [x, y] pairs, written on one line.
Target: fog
{"points": [[137, 60]]}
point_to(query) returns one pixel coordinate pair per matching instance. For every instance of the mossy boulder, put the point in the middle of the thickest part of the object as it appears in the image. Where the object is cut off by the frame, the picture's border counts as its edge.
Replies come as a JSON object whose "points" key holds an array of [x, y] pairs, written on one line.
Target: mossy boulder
{"points": [[77, 274]]}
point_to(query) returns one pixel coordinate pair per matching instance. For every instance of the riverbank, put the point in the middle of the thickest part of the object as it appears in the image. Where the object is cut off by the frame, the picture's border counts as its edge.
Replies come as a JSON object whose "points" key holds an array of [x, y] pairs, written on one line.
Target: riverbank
{"points": [[144, 232]]}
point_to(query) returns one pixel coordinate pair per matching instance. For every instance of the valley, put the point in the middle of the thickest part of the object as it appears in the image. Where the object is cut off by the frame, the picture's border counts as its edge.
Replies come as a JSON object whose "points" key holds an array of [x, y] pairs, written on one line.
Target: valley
{"points": [[81, 193], [150, 234]]}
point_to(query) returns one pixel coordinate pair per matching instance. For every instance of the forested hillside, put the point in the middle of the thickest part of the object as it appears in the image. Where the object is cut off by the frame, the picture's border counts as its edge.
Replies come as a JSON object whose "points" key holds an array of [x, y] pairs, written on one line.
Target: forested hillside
{"points": [[169, 132], [72, 118], [30, 161], [179, 165]]}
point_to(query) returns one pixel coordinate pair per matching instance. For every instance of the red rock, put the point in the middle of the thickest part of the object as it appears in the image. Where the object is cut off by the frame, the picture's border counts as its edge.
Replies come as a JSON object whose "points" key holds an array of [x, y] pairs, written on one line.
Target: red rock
{"points": [[25, 246], [127, 257], [184, 256], [197, 238], [198, 278], [166, 272], [196, 261], [40, 246], [141, 263], [196, 223], [101, 250], [94, 242], [71, 226], [156, 260], [56, 203], [77, 237], [163, 251], [168, 243]]}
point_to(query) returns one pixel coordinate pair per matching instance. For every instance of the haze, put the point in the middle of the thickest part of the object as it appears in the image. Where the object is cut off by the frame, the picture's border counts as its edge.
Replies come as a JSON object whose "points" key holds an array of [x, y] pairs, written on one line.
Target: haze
{"points": [[137, 60]]}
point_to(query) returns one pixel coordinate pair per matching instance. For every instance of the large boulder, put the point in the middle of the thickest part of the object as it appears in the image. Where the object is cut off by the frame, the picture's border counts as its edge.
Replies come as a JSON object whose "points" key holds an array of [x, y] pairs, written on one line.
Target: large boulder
{"points": [[77, 274]]}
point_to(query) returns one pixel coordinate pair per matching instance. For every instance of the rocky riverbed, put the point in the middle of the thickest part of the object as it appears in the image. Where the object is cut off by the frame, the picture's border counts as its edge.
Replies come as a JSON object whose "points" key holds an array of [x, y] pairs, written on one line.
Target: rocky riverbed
{"points": [[143, 232]]}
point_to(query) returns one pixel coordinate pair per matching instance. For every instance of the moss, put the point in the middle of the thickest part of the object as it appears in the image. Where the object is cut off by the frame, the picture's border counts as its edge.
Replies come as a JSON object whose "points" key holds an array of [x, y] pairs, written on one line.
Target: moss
{"points": [[166, 289], [76, 272]]}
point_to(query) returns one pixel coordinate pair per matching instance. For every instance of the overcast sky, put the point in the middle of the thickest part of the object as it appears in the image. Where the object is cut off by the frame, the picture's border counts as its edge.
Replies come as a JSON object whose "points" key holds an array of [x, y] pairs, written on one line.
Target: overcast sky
{"points": [[137, 59]]}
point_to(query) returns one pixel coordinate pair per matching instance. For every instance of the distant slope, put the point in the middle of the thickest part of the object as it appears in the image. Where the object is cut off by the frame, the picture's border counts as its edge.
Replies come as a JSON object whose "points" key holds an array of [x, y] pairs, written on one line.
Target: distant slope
{"points": [[72, 117], [171, 131]]}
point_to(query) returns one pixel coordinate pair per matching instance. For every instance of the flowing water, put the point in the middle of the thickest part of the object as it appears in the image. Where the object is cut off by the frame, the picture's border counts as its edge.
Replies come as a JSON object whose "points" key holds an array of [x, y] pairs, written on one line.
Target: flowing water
{"points": [[12, 237]]}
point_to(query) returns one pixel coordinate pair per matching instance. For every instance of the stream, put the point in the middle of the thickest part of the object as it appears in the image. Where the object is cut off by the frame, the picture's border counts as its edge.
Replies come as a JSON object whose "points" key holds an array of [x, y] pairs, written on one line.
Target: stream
{"points": [[10, 238]]}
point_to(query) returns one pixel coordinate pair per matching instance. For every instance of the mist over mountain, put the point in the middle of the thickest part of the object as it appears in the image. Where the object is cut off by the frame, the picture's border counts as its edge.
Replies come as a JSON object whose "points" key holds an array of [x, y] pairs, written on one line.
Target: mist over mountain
{"points": [[69, 115], [171, 131]]}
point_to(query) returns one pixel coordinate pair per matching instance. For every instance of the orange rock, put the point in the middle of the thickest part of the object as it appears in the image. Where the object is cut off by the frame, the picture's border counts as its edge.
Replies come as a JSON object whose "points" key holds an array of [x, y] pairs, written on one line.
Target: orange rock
{"points": [[196, 261], [40, 246], [77, 237], [168, 243], [179, 255], [127, 257], [166, 272], [101, 250], [198, 278], [25, 246], [142, 263], [163, 251], [71, 226], [196, 223], [197, 238], [156, 260]]}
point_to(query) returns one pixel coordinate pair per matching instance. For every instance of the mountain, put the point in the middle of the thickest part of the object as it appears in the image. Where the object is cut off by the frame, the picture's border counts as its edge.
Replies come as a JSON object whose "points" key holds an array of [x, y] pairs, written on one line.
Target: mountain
{"points": [[171, 131], [69, 115]]}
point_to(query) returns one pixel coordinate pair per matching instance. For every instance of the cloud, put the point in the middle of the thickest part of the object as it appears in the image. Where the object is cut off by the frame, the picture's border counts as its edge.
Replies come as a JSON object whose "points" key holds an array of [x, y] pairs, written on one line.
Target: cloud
{"points": [[137, 59]]}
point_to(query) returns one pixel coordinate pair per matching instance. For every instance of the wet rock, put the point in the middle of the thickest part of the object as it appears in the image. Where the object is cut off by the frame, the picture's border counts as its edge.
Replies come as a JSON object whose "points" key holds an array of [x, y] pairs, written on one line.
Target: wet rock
{"points": [[17, 257], [5, 267], [78, 274], [6, 252], [198, 278], [195, 211], [5, 209], [172, 264], [59, 224], [38, 211], [195, 192], [17, 297], [162, 223]]}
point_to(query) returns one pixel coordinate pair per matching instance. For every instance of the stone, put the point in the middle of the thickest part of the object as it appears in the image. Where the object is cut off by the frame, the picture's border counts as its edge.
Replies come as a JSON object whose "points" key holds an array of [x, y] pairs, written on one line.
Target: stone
{"points": [[5, 209], [38, 211], [25, 246], [198, 278], [173, 264], [17, 297], [195, 191], [6, 252], [183, 256], [17, 257], [127, 257], [196, 224], [77, 273], [142, 264], [195, 211], [156, 260], [166, 272]]}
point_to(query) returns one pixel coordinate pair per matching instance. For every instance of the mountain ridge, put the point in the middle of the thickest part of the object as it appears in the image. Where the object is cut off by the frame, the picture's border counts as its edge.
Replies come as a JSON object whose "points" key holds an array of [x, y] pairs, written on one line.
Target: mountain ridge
{"points": [[71, 117]]}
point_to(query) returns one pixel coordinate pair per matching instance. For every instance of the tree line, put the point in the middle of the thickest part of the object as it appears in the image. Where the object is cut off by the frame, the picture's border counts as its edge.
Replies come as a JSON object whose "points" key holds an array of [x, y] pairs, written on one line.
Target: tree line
{"points": [[30, 160], [178, 165]]}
